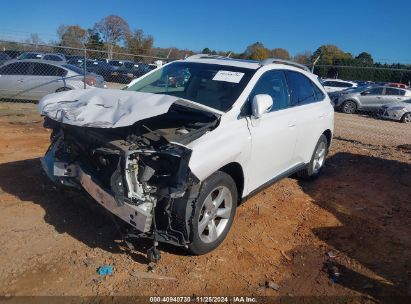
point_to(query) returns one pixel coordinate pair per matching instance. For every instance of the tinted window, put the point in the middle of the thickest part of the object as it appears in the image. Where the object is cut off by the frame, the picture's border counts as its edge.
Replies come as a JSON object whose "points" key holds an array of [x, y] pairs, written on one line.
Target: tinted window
{"points": [[319, 95], [274, 84], [4, 56], [300, 87], [17, 68], [52, 58], [345, 85], [128, 65], [42, 69], [375, 91], [391, 91], [74, 68], [30, 56]]}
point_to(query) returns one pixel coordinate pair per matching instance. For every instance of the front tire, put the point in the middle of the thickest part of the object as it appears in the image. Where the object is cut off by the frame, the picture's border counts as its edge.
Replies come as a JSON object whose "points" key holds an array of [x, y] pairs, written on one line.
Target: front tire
{"points": [[316, 164], [349, 107], [406, 118], [213, 213]]}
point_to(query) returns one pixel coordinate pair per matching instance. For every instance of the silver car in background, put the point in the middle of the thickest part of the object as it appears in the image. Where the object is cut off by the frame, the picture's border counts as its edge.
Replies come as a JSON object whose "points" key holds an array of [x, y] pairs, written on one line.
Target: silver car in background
{"points": [[400, 111], [369, 98], [32, 79]]}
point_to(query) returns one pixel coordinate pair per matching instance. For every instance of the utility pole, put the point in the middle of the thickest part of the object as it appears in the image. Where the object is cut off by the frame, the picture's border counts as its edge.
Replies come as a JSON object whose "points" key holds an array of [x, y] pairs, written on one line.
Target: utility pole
{"points": [[314, 63]]}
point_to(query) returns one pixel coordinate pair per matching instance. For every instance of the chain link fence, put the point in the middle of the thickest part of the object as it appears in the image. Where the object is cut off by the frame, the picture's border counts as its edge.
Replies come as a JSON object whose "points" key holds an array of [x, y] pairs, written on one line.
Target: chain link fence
{"points": [[30, 71]]}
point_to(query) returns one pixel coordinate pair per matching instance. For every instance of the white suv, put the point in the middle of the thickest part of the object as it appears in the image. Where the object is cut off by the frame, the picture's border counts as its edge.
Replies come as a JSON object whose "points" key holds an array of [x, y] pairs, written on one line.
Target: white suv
{"points": [[176, 151]]}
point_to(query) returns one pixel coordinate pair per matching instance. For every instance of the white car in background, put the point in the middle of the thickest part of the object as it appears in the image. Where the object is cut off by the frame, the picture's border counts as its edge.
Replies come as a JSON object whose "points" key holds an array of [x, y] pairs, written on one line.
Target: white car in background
{"points": [[174, 161], [31, 79], [336, 85]]}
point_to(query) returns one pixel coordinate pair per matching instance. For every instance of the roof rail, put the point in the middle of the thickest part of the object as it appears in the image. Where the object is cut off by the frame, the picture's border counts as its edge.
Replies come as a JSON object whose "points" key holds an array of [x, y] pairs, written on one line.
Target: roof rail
{"points": [[286, 62], [205, 56]]}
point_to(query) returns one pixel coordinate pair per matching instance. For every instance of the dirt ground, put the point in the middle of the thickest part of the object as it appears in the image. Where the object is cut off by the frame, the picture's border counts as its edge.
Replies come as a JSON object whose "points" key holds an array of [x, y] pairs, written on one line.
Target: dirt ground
{"points": [[355, 220]]}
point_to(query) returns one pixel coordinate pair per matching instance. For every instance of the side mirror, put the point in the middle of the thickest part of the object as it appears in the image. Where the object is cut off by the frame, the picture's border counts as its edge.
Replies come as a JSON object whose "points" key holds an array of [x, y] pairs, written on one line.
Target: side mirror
{"points": [[365, 93], [261, 104]]}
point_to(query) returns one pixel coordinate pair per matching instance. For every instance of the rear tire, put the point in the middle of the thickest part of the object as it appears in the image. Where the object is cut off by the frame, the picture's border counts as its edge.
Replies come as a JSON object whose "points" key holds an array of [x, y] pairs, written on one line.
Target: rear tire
{"points": [[213, 213], [349, 107], [406, 118], [318, 158]]}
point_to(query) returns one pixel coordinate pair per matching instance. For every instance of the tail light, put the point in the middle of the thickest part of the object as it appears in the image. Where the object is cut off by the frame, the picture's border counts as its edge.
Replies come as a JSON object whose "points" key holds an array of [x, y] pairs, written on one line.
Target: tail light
{"points": [[90, 81]]}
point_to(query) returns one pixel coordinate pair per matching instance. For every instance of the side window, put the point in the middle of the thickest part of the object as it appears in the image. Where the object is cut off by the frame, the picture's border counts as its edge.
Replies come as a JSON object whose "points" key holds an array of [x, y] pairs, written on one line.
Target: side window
{"points": [[345, 85], [392, 91], [375, 91], [319, 95], [301, 88], [42, 69], [52, 58], [274, 84], [17, 68]]}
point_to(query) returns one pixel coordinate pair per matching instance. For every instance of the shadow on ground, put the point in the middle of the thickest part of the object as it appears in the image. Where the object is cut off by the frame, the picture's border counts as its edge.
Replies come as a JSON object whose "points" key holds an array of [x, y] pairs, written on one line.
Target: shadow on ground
{"points": [[71, 212], [370, 198]]}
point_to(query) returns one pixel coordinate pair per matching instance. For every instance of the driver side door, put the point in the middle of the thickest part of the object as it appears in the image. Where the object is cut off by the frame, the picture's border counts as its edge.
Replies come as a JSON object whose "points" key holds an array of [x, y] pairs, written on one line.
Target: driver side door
{"points": [[372, 98], [274, 134]]}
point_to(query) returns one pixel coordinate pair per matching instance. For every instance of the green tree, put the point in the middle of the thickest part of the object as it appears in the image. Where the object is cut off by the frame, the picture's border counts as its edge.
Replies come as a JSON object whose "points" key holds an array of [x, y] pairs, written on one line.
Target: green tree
{"points": [[364, 59], [330, 54], [280, 53], [303, 58], [138, 43], [256, 51], [72, 36]]}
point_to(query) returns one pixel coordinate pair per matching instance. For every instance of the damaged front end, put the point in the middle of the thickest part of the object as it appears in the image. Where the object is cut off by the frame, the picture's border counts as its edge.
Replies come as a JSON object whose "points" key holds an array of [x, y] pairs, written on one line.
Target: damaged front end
{"points": [[139, 173]]}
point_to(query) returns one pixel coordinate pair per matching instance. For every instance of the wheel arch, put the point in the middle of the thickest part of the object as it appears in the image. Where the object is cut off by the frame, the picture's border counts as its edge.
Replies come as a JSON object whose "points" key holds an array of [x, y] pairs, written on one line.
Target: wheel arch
{"points": [[328, 134], [235, 170]]}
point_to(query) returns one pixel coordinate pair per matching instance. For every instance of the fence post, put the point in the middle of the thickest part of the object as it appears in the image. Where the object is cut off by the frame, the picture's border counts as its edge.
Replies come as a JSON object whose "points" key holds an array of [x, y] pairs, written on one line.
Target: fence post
{"points": [[85, 66]]}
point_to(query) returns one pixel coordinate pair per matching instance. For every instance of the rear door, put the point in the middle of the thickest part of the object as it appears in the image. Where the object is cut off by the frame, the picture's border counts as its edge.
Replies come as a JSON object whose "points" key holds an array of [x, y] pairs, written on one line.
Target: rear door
{"points": [[312, 113], [394, 95]]}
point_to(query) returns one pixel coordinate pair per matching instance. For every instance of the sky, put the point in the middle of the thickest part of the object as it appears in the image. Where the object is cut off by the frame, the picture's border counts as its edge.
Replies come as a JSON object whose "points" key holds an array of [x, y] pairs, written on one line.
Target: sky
{"points": [[382, 28]]}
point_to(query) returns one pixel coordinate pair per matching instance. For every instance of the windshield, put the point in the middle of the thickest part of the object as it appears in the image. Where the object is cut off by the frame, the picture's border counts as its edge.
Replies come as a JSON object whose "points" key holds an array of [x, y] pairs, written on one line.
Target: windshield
{"points": [[215, 86]]}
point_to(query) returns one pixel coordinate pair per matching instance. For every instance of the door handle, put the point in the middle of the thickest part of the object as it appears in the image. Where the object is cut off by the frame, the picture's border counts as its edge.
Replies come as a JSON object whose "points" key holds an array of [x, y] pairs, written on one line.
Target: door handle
{"points": [[20, 80], [378, 97], [292, 123]]}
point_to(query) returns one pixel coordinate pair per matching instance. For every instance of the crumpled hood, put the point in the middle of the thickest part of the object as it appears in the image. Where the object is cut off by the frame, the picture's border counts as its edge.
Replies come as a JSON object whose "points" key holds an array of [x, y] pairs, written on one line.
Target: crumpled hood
{"points": [[104, 108]]}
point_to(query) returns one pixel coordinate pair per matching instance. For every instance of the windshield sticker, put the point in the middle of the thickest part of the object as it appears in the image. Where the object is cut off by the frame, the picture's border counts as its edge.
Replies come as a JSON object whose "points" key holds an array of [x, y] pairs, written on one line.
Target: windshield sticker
{"points": [[228, 76]]}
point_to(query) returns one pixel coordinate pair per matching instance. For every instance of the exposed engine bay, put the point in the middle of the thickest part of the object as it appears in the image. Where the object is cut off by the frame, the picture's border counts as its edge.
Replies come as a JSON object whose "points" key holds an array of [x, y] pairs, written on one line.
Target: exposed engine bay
{"points": [[138, 172]]}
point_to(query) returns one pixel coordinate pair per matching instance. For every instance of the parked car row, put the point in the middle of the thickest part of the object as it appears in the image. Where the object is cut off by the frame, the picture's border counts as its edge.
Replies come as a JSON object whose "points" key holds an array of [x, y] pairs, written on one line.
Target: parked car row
{"points": [[122, 71], [31, 79], [387, 101]]}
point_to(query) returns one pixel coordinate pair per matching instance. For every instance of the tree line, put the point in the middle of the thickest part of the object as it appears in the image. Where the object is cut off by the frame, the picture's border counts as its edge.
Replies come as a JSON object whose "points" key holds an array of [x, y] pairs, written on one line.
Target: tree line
{"points": [[113, 34]]}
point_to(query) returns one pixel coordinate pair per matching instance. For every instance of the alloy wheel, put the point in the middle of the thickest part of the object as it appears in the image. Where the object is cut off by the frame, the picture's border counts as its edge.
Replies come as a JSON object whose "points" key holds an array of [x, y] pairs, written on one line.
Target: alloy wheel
{"points": [[215, 213]]}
